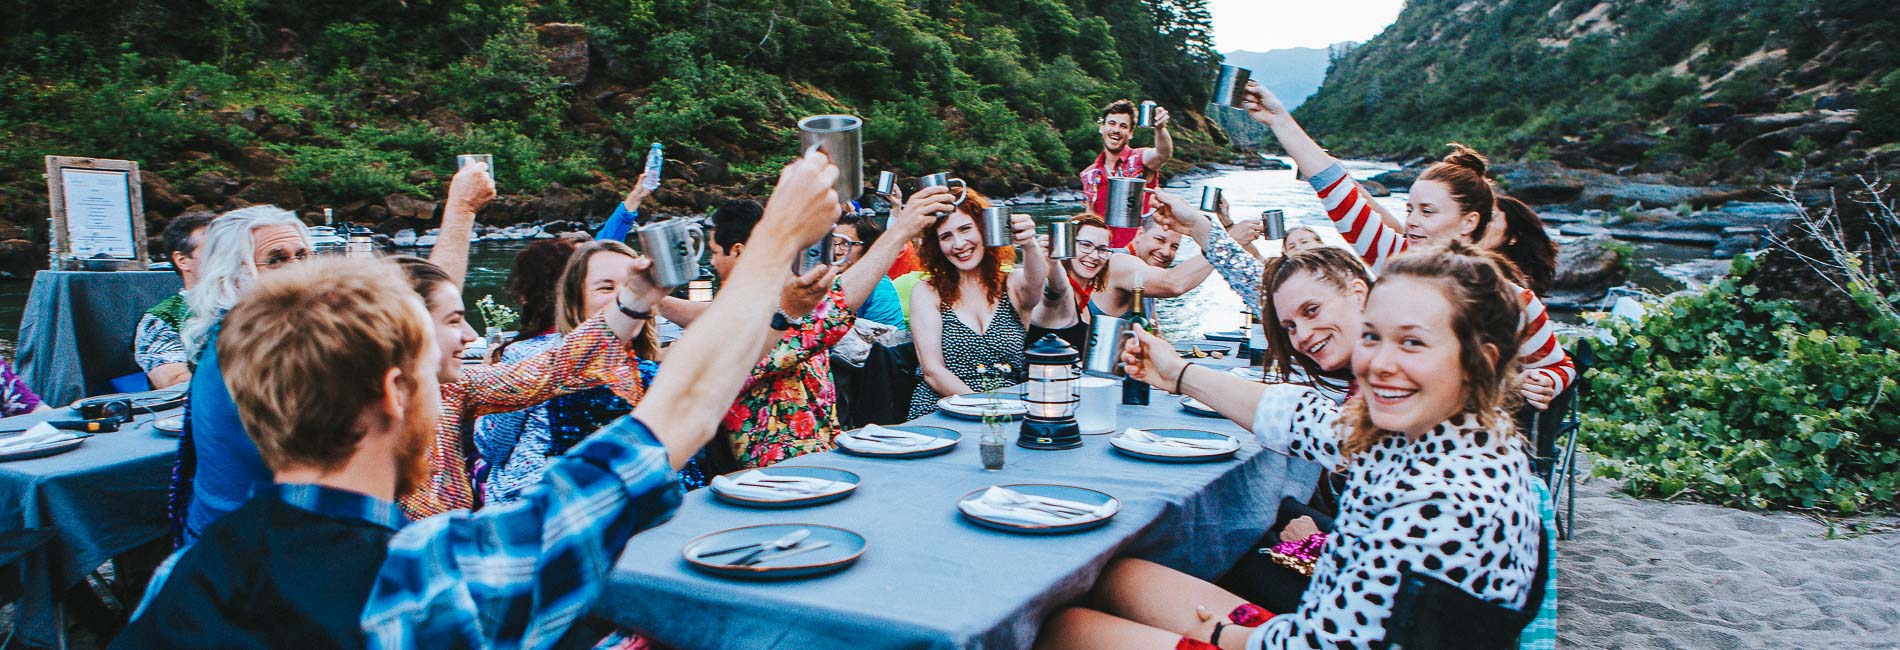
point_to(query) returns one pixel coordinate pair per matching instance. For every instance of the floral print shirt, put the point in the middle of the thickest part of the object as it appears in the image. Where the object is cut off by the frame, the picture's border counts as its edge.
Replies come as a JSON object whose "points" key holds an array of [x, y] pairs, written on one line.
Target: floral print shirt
{"points": [[789, 405], [15, 397]]}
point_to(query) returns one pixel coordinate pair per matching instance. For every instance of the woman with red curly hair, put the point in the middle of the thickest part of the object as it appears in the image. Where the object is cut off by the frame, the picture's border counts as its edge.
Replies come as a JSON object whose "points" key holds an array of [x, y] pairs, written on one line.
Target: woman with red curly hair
{"points": [[972, 312]]}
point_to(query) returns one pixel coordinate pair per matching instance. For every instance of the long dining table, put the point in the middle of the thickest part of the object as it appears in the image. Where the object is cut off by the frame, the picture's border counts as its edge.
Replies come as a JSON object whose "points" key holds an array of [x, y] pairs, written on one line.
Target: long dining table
{"points": [[928, 578]]}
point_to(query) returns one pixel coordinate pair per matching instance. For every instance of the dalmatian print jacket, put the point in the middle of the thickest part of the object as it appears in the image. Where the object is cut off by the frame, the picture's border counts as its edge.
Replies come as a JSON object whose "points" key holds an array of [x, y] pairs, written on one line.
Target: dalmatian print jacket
{"points": [[1456, 504]]}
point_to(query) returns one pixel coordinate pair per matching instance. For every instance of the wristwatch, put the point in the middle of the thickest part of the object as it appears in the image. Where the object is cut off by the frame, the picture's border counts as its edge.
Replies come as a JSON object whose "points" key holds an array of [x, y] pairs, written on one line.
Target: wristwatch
{"points": [[780, 321]]}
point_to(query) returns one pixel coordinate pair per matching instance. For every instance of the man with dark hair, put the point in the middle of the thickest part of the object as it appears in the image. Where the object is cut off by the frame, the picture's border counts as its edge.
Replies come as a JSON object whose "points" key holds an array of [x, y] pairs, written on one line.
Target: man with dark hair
{"points": [[343, 413], [789, 407], [156, 345], [1118, 160]]}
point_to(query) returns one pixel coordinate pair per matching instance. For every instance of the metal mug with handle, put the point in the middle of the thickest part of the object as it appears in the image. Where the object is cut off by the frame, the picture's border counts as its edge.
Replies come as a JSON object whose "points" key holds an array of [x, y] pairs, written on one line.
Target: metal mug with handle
{"points": [[1210, 199], [817, 254], [945, 181], [1273, 224], [1230, 89], [1104, 356], [1146, 117], [841, 138], [674, 246], [886, 183], [1125, 197], [1062, 240], [996, 230]]}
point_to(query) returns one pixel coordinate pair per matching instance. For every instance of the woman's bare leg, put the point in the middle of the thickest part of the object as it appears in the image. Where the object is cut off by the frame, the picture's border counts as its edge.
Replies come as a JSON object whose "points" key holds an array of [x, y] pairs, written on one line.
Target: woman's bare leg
{"points": [[1086, 629], [1156, 596]]}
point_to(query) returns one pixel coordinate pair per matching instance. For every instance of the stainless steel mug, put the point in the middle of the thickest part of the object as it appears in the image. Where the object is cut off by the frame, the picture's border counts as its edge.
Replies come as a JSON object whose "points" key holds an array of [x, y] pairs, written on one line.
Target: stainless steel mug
{"points": [[840, 137], [996, 231], [1210, 198], [1062, 240], [817, 254], [944, 180], [1146, 117], [465, 159], [1231, 88], [675, 246], [886, 181], [1124, 201], [1104, 356], [1273, 223]]}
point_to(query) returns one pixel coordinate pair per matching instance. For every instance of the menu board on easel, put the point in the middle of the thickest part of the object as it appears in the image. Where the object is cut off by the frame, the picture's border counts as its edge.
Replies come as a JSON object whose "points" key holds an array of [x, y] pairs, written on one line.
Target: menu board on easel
{"points": [[98, 214]]}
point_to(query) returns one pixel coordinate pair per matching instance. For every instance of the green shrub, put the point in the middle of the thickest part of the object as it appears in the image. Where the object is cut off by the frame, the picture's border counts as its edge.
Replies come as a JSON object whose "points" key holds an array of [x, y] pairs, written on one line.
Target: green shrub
{"points": [[1729, 399]]}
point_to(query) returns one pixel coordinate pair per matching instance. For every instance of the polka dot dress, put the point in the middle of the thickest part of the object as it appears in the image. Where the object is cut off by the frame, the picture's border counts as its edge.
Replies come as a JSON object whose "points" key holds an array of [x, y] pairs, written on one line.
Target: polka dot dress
{"points": [[964, 350], [1456, 504]]}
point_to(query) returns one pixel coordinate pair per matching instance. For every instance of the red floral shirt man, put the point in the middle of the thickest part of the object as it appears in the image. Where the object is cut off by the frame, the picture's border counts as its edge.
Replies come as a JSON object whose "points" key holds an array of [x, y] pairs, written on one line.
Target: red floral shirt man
{"points": [[1118, 160], [789, 405]]}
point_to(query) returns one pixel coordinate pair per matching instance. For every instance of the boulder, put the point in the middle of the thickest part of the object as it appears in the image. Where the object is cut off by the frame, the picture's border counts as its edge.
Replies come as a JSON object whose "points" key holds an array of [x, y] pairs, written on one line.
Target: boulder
{"points": [[566, 47], [405, 238], [1711, 114], [1824, 132], [1402, 177], [1541, 182], [1743, 127], [158, 194], [1589, 265], [255, 161], [554, 204], [210, 187], [404, 206], [1375, 188], [1624, 150], [1839, 101], [272, 192]]}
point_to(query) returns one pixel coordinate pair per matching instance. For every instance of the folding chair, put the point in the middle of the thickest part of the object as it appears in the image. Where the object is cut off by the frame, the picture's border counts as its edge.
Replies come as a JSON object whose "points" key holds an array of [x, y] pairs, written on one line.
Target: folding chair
{"points": [[1559, 469], [1431, 614]]}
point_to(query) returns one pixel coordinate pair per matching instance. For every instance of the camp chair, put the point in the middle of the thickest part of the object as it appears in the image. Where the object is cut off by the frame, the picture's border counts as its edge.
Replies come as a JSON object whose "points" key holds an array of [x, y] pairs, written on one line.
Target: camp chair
{"points": [[1431, 614]]}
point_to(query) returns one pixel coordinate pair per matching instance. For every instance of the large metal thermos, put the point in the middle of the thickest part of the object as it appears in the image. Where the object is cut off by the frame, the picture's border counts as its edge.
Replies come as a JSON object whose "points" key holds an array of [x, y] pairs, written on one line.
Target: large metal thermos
{"points": [[1230, 89], [840, 137], [1104, 355], [1061, 240], [1124, 201], [1273, 224]]}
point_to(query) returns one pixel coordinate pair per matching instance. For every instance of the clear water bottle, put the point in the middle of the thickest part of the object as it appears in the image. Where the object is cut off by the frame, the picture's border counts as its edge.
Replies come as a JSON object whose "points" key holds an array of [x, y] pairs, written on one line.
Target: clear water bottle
{"points": [[654, 160]]}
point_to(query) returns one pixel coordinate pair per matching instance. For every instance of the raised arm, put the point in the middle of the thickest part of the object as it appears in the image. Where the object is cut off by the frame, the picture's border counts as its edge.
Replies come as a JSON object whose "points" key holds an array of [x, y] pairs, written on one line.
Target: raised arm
{"points": [[471, 189], [1058, 308], [626, 213], [905, 225], [1286, 418], [926, 332], [1163, 150], [1026, 285]]}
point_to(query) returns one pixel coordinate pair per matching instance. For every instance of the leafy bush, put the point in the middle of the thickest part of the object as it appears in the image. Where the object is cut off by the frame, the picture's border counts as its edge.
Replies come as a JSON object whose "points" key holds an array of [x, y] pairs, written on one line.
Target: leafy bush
{"points": [[1735, 400]]}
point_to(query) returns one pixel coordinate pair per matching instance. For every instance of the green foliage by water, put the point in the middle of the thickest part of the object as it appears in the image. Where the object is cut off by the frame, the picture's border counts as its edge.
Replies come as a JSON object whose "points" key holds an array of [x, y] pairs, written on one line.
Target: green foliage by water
{"points": [[1510, 75], [1728, 398], [367, 94]]}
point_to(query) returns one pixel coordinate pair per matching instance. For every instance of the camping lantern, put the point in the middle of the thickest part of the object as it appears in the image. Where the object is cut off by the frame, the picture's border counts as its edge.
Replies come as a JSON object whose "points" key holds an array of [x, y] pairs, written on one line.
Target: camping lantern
{"points": [[1051, 396], [699, 290]]}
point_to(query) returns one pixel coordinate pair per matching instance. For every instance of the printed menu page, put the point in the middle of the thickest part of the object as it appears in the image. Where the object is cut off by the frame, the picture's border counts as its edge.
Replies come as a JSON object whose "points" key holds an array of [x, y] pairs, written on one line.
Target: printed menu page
{"points": [[98, 213]]}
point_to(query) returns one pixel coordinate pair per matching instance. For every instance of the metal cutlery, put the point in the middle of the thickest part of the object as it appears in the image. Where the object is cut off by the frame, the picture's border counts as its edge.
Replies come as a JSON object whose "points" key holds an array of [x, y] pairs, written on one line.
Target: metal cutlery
{"points": [[794, 538], [785, 554], [783, 543]]}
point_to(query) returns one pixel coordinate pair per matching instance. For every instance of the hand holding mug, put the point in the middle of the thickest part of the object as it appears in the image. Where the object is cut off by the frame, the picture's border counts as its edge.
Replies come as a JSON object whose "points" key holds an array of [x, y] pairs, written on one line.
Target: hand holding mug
{"points": [[1022, 229], [1262, 105], [641, 292], [804, 205], [1177, 215], [922, 210], [804, 292], [1247, 231], [471, 189], [1160, 118]]}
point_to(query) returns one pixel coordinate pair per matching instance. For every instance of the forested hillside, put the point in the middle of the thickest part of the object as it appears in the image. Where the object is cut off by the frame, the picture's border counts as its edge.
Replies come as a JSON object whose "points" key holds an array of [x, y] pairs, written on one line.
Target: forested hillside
{"points": [[361, 106], [1740, 90]]}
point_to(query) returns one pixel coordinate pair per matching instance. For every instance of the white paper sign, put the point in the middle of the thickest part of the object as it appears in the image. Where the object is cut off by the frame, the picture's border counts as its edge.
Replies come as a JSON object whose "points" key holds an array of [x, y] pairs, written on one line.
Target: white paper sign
{"points": [[98, 213]]}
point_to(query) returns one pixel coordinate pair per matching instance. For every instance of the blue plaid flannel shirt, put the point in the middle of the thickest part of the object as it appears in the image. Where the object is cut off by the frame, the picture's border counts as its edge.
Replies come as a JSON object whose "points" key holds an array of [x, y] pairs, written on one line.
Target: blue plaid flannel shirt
{"points": [[517, 575]]}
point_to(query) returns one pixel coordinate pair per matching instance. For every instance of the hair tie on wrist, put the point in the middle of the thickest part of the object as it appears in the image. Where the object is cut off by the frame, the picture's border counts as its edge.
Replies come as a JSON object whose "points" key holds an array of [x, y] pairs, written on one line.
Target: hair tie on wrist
{"points": [[1179, 376]]}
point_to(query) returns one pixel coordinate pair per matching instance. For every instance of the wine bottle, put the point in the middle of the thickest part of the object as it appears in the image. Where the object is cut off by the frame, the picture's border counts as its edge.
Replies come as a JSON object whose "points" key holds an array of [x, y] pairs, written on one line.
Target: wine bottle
{"points": [[1135, 392]]}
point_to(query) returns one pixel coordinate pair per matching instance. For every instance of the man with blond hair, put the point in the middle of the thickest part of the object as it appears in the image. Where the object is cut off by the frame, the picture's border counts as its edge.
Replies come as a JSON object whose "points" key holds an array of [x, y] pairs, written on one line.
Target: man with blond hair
{"points": [[343, 412]]}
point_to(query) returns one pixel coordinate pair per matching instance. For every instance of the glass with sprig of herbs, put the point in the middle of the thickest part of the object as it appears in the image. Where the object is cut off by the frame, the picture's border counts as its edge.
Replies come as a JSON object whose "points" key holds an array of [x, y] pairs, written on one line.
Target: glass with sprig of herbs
{"points": [[497, 318], [991, 378]]}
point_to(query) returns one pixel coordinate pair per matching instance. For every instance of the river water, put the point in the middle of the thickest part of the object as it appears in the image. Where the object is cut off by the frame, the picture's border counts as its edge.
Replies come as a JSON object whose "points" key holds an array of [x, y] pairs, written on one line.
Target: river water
{"points": [[1212, 307]]}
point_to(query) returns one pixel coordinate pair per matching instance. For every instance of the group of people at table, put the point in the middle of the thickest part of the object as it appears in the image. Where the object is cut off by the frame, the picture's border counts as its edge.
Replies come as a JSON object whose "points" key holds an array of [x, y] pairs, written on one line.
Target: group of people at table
{"points": [[345, 478]]}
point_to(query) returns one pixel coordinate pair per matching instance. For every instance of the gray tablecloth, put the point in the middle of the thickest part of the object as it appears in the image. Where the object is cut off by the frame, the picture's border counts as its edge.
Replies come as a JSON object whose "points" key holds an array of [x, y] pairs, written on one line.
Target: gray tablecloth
{"points": [[104, 498], [76, 334], [929, 579]]}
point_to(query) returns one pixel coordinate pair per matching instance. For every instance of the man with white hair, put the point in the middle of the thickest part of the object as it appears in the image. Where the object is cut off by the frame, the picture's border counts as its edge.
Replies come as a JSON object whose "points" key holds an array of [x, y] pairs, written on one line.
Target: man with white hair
{"points": [[237, 247]]}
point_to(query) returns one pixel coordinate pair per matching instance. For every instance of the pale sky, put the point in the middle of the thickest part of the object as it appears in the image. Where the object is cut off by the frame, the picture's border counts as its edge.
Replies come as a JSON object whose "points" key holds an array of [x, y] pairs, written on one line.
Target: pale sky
{"points": [[1260, 25]]}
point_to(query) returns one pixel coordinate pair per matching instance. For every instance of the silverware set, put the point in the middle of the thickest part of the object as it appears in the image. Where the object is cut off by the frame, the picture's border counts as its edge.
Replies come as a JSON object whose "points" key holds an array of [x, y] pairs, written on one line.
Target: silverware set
{"points": [[1047, 507], [791, 544]]}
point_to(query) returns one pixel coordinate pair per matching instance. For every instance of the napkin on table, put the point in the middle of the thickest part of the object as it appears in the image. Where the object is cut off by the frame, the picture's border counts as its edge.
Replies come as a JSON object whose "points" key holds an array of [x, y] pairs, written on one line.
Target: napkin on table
{"points": [[735, 485], [907, 441], [997, 503], [1148, 443], [40, 435]]}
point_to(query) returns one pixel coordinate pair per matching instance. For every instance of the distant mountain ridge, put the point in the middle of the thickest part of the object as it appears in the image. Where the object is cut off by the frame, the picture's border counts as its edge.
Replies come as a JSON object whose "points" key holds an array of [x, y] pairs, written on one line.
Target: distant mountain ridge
{"points": [[1293, 73]]}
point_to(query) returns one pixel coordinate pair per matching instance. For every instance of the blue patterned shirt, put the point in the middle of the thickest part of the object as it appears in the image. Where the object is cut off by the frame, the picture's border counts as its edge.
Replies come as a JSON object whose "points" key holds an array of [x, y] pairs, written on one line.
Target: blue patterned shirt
{"points": [[511, 576]]}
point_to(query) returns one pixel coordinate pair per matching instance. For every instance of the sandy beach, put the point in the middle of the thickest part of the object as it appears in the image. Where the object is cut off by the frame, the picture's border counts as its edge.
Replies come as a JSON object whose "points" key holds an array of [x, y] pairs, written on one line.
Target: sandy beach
{"points": [[1639, 573]]}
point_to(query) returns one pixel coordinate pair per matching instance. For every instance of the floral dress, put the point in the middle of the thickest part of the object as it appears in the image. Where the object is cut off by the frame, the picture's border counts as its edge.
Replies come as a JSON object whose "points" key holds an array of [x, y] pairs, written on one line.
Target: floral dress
{"points": [[789, 405]]}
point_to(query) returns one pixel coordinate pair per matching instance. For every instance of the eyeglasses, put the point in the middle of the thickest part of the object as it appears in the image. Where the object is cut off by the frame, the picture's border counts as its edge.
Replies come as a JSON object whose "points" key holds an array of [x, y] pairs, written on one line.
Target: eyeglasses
{"points": [[841, 247], [1086, 248]]}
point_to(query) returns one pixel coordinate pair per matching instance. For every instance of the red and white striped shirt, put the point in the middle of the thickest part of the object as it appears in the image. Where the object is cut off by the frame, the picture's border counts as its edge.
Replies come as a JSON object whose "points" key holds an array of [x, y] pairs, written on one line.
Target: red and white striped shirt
{"points": [[1350, 208]]}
